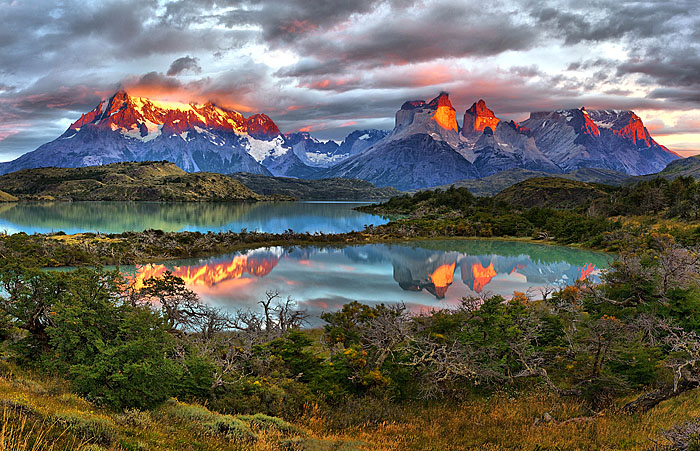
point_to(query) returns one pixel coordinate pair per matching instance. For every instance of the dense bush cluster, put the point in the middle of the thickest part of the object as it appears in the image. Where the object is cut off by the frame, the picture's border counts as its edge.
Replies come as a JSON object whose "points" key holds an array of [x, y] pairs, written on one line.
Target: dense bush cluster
{"points": [[679, 198], [593, 223]]}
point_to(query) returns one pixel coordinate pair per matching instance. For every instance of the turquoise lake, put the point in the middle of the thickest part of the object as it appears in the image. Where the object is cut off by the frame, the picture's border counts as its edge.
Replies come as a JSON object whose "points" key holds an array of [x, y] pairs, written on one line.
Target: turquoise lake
{"points": [[117, 217]]}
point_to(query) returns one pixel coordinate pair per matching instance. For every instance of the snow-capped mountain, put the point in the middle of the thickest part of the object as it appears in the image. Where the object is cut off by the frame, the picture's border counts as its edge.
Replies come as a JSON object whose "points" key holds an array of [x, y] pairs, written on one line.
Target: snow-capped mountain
{"points": [[195, 137], [420, 150], [426, 148], [607, 139], [324, 154]]}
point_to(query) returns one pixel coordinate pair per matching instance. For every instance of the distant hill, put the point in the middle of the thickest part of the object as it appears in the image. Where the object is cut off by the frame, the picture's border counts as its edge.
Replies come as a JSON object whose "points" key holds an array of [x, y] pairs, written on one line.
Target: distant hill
{"points": [[323, 189], [597, 175], [684, 167], [494, 184], [143, 181], [554, 192], [4, 197]]}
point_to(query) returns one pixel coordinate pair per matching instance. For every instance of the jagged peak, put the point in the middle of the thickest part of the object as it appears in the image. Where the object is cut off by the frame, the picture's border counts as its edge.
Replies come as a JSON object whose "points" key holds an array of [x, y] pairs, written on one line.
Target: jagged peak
{"points": [[261, 126], [443, 99], [413, 104], [478, 118], [139, 116], [479, 108], [120, 94]]}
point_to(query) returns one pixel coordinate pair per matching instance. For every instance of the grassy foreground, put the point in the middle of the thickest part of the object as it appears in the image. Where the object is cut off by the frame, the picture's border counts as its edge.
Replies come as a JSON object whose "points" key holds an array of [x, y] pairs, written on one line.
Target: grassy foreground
{"points": [[42, 414]]}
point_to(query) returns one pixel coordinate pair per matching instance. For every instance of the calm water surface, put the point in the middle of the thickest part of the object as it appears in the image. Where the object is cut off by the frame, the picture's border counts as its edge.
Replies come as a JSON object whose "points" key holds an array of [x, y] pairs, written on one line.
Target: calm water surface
{"points": [[420, 274], [117, 217]]}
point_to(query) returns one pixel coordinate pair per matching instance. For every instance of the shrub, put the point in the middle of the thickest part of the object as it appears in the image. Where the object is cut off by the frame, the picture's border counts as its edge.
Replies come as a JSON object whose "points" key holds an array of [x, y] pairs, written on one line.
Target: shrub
{"points": [[211, 422], [93, 428], [134, 418], [187, 412], [232, 428], [267, 423]]}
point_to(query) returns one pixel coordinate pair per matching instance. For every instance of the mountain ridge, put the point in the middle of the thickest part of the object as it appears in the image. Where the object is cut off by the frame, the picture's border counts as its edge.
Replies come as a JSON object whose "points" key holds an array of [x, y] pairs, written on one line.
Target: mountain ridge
{"points": [[426, 148]]}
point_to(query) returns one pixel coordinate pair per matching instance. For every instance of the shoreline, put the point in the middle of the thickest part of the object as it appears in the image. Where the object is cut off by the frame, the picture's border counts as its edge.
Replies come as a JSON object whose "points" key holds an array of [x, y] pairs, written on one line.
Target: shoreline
{"points": [[103, 249]]}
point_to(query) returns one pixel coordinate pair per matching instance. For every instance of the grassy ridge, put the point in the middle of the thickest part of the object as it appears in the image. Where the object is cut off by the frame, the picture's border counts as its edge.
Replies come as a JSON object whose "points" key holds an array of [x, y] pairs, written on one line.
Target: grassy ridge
{"points": [[553, 192], [494, 184], [144, 181], [324, 189]]}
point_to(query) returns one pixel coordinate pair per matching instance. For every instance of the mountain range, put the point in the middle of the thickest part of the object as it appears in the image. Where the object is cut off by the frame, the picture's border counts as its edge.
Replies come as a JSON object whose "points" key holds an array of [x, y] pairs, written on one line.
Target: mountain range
{"points": [[426, 148]]}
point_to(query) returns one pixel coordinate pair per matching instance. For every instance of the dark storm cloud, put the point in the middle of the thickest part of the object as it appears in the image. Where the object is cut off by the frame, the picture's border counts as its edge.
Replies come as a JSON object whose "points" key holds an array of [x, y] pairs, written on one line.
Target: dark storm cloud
{"points": [[447, 30], [186, 63], [288, 20], [668, 67], [612, 20]]}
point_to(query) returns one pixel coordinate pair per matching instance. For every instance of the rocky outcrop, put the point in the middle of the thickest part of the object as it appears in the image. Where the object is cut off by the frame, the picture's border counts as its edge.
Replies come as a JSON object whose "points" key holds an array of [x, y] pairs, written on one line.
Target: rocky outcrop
{"points": [[477, 118]]}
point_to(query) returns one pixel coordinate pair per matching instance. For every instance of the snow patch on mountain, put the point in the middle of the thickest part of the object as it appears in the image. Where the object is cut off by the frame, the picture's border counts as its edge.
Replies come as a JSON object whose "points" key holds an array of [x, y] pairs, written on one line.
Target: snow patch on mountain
{"points": [[260, 150]]}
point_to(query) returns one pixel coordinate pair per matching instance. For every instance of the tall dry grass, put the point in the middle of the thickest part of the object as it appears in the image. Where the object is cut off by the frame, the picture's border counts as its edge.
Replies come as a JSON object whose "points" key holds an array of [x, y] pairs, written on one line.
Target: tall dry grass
{"points": [[501, 422], [19, 432]]}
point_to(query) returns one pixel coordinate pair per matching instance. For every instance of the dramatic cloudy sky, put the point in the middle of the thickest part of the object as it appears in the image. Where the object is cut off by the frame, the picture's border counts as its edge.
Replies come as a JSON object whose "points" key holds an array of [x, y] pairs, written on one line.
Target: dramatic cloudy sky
{"points": [[330, 66]]}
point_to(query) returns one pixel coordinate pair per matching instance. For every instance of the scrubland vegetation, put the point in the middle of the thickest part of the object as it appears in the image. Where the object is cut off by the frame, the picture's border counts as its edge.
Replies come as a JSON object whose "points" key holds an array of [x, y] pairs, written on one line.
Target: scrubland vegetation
{"points": [[89, 361]]}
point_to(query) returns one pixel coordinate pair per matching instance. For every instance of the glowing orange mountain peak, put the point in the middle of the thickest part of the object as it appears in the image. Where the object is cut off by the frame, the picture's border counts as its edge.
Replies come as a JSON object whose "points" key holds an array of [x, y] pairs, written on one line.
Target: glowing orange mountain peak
{"points": [[478, 117], [445, 115], [143, 116], [589, 127]]}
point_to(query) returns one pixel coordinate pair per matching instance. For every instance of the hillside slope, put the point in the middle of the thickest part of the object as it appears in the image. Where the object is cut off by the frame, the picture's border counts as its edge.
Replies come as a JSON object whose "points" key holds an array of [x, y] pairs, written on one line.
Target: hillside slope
{"points": [[4, 197], [322, 189], [494, 184], [144, 181], [554, 192], [686, 167]]}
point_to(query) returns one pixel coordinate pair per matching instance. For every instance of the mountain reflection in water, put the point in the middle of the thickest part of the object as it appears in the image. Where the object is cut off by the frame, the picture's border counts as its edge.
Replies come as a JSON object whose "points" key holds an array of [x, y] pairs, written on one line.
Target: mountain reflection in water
{"points": [[421, 274]]}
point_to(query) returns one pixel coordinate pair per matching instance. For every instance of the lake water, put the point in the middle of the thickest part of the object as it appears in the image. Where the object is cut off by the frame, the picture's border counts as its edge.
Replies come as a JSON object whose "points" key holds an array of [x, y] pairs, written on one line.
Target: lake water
{"points": [[420, 274], [117, 217]]}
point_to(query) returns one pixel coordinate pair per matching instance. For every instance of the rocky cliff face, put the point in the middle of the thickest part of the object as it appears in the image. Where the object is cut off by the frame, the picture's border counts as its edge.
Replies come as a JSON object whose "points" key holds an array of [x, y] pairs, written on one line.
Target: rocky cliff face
{"points": [[485, 146], [607, 139], [418, 160], [551, 142]]}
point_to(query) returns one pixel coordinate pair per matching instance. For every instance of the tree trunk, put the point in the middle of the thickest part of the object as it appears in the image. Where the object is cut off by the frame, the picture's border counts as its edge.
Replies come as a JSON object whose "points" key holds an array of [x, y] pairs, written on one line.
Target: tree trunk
{"points": [[649, 400]]}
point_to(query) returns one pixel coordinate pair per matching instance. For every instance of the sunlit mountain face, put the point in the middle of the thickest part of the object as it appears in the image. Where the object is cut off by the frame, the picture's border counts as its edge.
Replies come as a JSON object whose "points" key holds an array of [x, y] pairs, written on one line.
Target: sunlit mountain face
{"points": [[428, 275]]}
